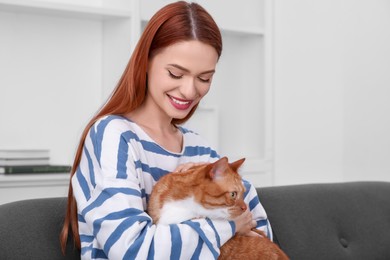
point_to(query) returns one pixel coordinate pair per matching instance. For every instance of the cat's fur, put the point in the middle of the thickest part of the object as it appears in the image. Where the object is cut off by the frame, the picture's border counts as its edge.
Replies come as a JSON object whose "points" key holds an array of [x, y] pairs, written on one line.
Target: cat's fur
{"points": [[215, 191]]}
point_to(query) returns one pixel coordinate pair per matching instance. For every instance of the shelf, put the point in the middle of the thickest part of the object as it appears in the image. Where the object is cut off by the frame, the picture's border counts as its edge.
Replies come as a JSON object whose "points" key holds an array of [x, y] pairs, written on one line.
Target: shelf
{"points": [[22, 180], [243, 31], [61, 9], [30, 186]]}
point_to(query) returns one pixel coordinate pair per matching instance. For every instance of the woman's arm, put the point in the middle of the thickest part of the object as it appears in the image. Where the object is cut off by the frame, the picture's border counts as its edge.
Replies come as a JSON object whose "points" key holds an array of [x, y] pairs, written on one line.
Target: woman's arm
{"points": [[116, 217], [258, 212]]}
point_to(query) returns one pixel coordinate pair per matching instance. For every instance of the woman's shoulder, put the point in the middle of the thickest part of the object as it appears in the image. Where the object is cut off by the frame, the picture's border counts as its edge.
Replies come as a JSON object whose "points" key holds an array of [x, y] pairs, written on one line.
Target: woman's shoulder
{"points": [[191, 135], [196, 143], [185, 130], [112, 125]]}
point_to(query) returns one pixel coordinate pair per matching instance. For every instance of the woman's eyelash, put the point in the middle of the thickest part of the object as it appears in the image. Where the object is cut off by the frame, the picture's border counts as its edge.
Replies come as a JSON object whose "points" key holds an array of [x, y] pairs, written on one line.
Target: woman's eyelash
{"points": [[204, 80], [179, 77], [174, 76]]}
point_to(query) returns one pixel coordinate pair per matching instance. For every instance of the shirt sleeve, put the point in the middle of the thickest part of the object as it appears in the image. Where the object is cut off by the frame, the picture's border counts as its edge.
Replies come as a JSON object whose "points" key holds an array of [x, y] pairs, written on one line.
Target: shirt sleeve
{"points": [[113, 223], [257, 209]]}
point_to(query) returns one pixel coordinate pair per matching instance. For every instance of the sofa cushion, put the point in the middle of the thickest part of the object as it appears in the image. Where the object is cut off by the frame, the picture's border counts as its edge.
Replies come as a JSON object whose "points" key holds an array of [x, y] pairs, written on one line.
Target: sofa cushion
{"points": [[30, 229], [330, 221]]}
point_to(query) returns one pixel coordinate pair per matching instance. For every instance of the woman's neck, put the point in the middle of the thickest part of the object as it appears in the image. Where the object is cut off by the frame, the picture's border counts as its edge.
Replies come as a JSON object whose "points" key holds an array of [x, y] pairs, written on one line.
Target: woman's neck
{"points": [[159, 129], [155, 121]]}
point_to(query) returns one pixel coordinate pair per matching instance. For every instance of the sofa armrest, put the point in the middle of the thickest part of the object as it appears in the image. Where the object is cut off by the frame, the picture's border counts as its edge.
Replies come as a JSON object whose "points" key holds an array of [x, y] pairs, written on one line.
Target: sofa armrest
{"points": [[29, 229]]}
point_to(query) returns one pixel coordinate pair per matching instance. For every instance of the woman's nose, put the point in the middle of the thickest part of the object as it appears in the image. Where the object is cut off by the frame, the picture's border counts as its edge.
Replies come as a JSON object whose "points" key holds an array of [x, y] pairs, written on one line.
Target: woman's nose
{"points": [[188, 89]]}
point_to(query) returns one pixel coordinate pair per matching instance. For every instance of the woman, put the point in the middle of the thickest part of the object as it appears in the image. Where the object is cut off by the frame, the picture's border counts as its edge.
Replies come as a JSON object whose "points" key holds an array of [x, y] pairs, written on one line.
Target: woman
{"points": [[135, 139]]}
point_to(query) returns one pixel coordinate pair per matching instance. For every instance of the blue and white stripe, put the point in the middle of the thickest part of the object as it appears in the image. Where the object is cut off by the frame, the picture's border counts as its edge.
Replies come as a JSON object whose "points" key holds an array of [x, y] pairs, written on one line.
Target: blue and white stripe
{"points": [[119, 166]]}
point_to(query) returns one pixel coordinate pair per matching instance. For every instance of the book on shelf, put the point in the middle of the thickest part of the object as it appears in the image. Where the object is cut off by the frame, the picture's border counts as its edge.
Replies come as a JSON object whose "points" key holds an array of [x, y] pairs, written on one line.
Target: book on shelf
{"points": [[24, 153], [18, 157], [35, 169], [25, 161]]}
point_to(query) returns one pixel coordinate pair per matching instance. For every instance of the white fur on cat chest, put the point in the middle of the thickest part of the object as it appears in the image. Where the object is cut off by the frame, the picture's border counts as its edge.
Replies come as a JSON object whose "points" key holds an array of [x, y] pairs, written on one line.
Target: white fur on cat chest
{"points": [[174, 212]]}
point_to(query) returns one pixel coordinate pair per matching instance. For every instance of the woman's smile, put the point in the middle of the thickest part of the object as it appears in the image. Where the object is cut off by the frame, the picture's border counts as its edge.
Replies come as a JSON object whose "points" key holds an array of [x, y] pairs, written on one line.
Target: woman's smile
{"points": [[179, 103]]}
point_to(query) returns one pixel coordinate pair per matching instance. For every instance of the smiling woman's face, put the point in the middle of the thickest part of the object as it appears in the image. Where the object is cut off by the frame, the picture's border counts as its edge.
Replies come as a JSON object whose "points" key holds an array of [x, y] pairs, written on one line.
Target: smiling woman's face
{"points": [[179, 76]]}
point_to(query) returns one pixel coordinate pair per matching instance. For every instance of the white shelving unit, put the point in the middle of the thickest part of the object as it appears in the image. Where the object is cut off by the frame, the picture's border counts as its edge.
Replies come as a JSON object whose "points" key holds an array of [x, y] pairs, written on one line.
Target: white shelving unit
{"points": [[60, 59], [67, 56]]}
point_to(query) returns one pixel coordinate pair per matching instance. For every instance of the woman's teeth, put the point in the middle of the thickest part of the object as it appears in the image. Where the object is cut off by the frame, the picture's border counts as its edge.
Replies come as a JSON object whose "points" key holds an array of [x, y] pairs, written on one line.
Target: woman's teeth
{"points": [[180, 102]]}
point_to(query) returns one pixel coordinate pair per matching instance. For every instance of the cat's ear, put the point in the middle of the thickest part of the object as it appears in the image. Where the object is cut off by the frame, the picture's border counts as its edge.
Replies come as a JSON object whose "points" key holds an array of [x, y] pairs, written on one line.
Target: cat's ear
{"points": [[218, 168], [235, 165]]}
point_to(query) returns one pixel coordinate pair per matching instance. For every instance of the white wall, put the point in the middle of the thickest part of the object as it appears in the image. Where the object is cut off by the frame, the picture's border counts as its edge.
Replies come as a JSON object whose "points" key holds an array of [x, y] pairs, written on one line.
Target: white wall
{"points": [[367, 82], [332, 90]]}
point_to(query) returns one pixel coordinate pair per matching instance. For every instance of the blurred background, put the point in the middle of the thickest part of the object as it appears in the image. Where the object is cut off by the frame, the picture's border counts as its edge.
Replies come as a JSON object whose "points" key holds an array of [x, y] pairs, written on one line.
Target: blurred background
{"points": [[302, 89]]}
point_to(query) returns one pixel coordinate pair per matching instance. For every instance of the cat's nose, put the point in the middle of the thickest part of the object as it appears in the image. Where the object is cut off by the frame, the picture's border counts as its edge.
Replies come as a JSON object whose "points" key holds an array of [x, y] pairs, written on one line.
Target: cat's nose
{"points": [[242, 205]]}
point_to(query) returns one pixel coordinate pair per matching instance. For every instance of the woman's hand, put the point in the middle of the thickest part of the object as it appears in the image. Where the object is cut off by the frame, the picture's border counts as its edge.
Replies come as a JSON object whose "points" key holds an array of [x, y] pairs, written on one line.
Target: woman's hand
{"points": [[244, 224], [186, 166]]}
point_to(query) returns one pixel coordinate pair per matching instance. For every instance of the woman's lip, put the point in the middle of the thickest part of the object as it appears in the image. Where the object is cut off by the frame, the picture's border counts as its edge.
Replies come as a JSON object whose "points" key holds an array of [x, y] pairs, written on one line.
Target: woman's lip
{"points": [[179, 103]]}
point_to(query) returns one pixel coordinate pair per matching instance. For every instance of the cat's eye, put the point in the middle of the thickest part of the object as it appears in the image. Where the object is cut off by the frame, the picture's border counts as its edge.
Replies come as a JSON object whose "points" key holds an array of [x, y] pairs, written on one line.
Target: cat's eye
{"points": [[233, 194]]}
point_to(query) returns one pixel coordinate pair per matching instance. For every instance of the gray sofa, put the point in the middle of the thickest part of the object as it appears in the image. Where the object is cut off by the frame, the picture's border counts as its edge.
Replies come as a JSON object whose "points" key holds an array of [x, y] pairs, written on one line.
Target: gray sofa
{"points": [[311, 221]]}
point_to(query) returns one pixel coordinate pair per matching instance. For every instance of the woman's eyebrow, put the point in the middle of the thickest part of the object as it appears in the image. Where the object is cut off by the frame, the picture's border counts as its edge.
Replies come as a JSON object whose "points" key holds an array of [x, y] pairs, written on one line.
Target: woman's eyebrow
{"points": [[188, 71]]}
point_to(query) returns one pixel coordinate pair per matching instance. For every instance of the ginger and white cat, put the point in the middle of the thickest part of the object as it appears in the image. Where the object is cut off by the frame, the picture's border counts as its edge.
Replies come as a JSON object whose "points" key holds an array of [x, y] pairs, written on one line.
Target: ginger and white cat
{"points": [[215, 191]]}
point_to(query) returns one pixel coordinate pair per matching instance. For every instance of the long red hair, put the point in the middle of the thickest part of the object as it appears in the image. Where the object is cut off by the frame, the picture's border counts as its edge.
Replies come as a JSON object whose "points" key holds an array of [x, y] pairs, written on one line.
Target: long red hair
{"points": [[179, 21]]}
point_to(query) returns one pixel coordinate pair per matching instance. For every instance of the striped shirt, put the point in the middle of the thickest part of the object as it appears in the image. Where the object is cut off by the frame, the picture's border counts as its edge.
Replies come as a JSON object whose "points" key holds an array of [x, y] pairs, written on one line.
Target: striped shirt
{"points": [[119, 166]]}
